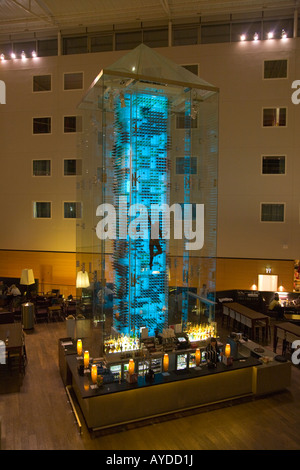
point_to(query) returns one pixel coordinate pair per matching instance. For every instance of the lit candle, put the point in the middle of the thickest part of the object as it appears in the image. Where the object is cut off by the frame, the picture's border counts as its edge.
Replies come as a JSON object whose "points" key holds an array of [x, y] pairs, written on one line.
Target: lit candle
{"points": [[79, 347], [227, 350], [94, 373], [131, 366], [166, 362], [86, 359]]}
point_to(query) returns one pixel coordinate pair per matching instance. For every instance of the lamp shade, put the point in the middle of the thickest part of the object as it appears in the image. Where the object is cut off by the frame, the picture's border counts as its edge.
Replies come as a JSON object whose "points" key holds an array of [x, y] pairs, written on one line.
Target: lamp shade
{"points": [[82, 279], [197, 357], [27, 277], [94, 373], [131, 366], [166, 362], [227, 350], [79, 347], [86, 359]]}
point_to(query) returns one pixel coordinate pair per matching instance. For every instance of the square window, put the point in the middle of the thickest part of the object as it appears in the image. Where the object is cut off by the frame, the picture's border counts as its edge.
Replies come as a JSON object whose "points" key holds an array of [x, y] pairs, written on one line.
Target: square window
{"points": [[42, 125], [275, 68], [72, 167], [274, 117], [72, 210], [72, 124], [272, 212], [42, 210], [273, 165], [42, 83], [41, 168], [73, 81]]}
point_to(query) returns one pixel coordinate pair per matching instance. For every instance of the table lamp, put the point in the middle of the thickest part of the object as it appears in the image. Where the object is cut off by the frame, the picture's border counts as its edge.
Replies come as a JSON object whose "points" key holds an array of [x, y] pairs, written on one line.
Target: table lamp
{"points": [[27, 277]]}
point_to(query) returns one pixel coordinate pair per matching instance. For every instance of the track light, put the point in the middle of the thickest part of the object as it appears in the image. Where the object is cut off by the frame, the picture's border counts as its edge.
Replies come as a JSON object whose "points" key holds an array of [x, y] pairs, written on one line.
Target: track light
{"points": [[255, 37], [13, 55], [243, 37], [283, 34], [270, 35], [2, 57], [23, 55]]}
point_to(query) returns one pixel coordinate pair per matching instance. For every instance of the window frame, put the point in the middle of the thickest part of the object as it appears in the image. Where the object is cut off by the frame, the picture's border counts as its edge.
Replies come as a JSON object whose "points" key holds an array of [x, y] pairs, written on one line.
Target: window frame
{"points": [[70, 116], [72, 73], [273, 221], [42, 133], [42, 75], [273, 156], [277, 125], [275, 78], [39, 160], [41, 218], [77, 203], [76, 174]]}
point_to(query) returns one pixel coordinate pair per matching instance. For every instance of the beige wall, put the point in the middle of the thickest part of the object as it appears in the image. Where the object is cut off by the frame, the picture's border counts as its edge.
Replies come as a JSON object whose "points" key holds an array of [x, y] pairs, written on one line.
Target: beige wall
{"points": [[52, 270], [243, 273], [237, 69]]}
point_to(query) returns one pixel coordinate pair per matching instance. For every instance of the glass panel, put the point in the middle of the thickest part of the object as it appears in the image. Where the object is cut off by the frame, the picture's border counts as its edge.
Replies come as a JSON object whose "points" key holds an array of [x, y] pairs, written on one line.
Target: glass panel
{"points": [[148, 264], [42, 83], [41, 167], [275, 69], [128, 40], [273, 165], [72, 210], [77, 45], [247, 29], [72, 167], [185, 35], [72, 124], [26, 47], [102, 43], [73, 81], [156, 37], [42, 125], [215, 33], [47, 48], [42, 209], [272, 212]]}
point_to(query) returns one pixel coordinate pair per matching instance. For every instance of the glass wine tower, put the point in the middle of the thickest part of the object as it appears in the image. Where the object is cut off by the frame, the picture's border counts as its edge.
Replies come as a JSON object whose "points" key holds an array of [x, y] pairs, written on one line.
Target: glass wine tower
{"points": [[149, 143]]}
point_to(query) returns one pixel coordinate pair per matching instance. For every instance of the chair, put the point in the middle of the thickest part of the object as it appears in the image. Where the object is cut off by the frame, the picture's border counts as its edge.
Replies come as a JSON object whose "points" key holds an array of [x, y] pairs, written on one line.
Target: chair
{"points": [[41, 311]]}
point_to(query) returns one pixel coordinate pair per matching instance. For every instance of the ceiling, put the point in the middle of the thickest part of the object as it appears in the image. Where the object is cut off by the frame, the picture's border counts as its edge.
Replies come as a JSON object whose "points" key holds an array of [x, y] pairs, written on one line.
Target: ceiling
{"points": [[21, 16]]}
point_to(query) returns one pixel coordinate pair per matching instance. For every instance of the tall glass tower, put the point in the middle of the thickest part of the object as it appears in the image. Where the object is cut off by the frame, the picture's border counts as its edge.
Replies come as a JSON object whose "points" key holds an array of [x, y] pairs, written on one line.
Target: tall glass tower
{"points": [[148, 190]]}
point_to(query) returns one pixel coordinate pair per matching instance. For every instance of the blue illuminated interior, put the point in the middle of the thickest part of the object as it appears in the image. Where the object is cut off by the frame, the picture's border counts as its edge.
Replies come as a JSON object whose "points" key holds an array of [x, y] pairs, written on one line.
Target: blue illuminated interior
{"points": [[141, 175]]}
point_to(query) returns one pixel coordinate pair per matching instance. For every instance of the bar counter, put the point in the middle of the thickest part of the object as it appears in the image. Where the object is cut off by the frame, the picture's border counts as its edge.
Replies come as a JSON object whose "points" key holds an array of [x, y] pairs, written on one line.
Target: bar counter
{"points": [[121, 403]]}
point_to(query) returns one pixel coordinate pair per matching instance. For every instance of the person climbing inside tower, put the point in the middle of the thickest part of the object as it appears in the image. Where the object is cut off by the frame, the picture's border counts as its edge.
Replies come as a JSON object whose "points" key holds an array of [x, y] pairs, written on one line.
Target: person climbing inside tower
{"points": [[154, 243]]}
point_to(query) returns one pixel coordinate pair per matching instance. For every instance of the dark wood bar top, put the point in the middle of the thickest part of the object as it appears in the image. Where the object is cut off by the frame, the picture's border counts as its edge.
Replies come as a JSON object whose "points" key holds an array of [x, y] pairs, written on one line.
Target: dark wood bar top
{"points": [[84, 382]]}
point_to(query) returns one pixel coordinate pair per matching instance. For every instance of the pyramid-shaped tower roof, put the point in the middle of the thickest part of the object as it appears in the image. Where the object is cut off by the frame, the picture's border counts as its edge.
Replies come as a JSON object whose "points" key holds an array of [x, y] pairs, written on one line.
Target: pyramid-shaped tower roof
{"points": [[145, 64]]}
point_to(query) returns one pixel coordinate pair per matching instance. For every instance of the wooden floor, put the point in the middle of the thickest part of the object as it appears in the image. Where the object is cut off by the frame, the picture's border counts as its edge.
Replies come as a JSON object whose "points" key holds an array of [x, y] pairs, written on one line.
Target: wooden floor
{"points": [[35, 414]]}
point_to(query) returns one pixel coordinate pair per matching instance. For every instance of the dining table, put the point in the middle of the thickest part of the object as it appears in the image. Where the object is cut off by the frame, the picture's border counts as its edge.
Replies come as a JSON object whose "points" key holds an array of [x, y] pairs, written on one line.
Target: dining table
{"points": [[246, 316]]}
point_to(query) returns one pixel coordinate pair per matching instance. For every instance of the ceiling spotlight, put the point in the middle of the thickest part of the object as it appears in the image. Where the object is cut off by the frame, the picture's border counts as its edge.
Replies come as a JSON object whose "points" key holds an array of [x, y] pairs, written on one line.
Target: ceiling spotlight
{"points": [[13, 55], [270, 35], [243, 37], [283, 34], [255, 37]]}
